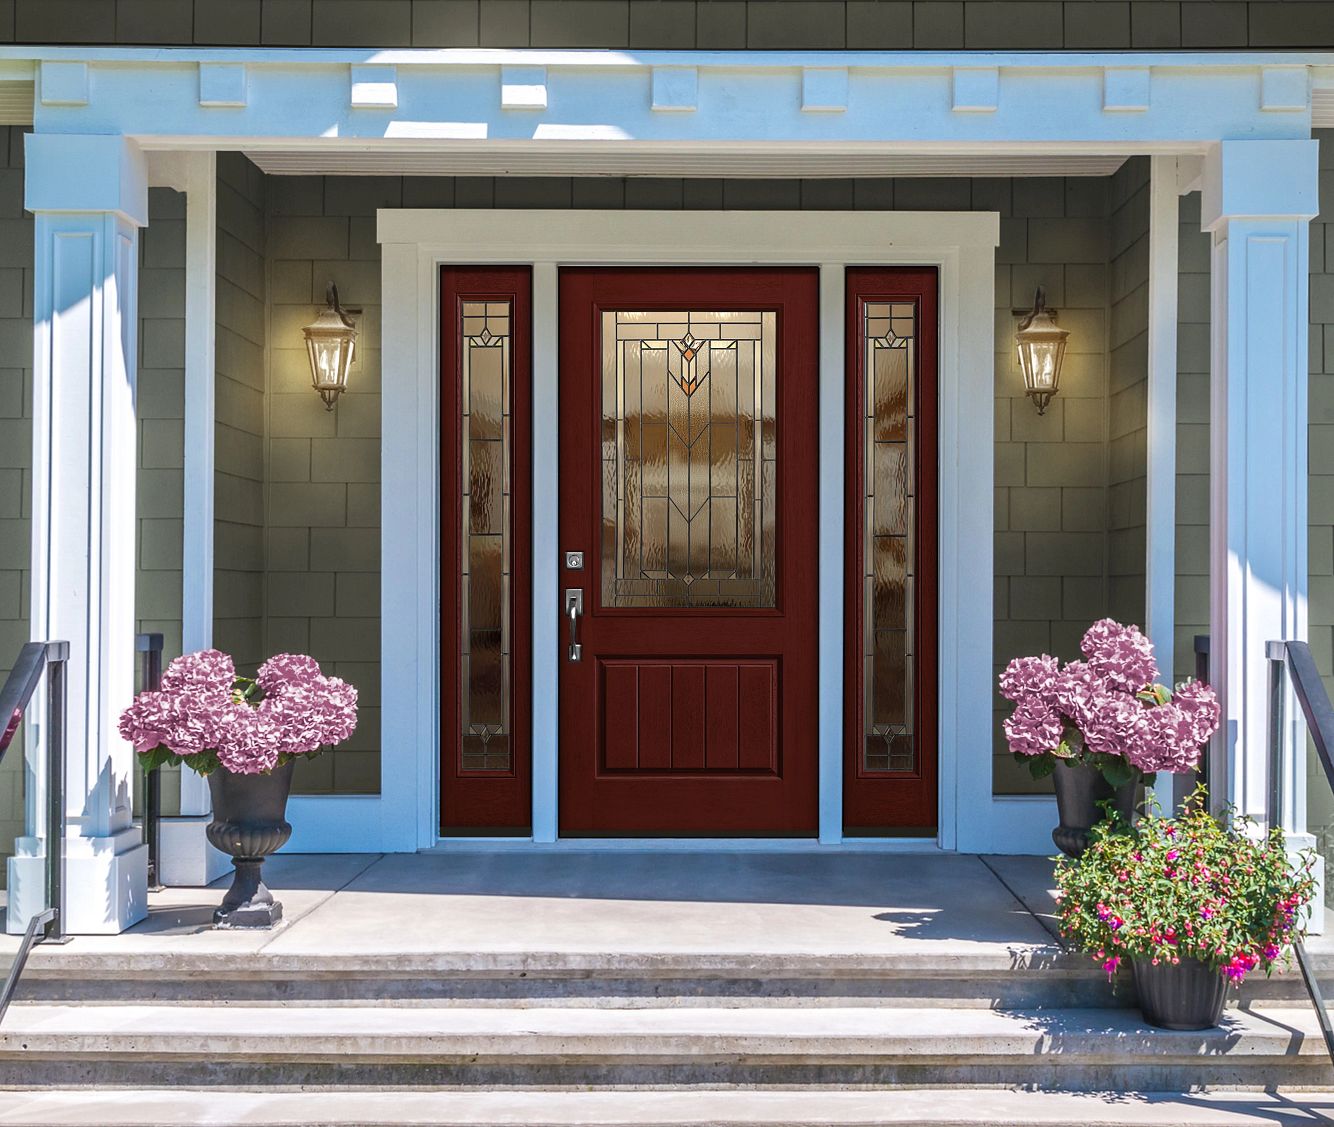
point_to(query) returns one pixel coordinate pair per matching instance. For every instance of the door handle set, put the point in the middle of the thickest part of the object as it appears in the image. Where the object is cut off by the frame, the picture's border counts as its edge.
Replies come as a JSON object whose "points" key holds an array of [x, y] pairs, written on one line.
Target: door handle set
{"points": [[574, 607]]}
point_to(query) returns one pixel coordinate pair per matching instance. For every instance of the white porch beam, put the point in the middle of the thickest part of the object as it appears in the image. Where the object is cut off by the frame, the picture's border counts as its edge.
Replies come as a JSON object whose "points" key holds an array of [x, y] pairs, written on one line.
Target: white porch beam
{"points": [[1161, 411], [1258, 199], [90, 197], [1123, 99]]}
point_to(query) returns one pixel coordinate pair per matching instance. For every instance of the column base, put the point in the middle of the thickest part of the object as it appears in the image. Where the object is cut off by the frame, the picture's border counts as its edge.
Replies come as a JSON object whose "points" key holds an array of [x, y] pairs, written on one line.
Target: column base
{"points": [[185, 858], [106, 883]]}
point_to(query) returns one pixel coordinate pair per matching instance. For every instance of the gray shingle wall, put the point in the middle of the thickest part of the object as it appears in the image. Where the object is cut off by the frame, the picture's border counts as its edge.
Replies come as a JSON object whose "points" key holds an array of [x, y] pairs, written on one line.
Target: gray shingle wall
{"points": [[1320, 803], [1127, 378], [238, 528], [680, 24], [15, 450], [1192, 523], [322, 586]]}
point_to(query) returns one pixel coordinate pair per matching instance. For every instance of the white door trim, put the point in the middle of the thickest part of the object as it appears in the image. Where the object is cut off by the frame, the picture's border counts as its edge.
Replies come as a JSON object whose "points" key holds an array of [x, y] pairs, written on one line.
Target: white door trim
{"points": [[418, 242]]}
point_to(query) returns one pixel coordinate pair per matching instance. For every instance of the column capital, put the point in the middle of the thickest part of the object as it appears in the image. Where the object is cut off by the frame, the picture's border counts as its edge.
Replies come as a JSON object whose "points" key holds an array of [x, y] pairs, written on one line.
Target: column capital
{"points": [[1260, 180], [78, 173]]}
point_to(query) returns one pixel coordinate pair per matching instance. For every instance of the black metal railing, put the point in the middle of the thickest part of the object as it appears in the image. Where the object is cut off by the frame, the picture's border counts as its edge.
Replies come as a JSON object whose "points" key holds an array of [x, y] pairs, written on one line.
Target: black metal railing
{"points": [[149, 649], [35, 660], [1291, 662]]}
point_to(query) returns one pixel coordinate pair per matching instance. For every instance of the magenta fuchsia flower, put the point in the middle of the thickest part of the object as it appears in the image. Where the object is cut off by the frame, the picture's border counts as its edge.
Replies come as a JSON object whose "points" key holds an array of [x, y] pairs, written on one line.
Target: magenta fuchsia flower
{"points": [[203, 711]]}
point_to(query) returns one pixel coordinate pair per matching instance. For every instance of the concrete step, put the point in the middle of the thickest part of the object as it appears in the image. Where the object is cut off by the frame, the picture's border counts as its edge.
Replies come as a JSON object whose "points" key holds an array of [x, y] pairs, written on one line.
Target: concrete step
{"points": [[1026, 977], [572, 1048], [917, 1108]]}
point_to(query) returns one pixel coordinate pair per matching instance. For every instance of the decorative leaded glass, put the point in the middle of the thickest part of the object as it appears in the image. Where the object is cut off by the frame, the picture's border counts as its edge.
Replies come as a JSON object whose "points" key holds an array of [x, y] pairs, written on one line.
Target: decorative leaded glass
{"points": [[485, 578], [688, 459], [888, 340]]}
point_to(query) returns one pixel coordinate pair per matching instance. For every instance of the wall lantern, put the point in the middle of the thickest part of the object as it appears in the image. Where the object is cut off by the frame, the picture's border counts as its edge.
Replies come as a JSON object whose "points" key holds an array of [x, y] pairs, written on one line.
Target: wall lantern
{"points": [[1041, 346], [331, 339]]}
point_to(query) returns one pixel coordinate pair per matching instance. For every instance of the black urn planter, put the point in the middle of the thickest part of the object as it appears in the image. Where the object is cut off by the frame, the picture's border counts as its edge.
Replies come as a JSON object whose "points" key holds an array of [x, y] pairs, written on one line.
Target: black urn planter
{"points": [[249, 823], [1184, 995], [1079, 789]]}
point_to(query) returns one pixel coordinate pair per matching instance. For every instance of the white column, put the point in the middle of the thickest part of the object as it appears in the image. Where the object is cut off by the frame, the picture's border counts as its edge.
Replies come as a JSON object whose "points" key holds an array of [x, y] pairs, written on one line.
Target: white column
{"points": [[1258, 199], [90, 197], [1161, 411], [187, 859]]}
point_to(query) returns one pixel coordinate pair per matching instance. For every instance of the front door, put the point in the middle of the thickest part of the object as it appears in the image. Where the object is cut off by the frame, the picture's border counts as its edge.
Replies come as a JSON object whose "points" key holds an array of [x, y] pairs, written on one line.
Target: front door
{"points": [[689, 533]]}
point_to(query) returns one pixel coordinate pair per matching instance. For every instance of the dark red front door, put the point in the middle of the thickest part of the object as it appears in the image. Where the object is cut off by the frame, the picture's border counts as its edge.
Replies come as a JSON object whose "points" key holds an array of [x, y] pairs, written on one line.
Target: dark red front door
{"points": [[688, 484]]}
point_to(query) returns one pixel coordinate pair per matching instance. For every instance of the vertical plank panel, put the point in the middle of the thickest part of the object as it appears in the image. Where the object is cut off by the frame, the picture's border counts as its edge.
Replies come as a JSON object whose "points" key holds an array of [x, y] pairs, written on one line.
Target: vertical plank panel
{"points": [[620, 718], [756, 716], [655, 716], [687, 717], [721, 702]]}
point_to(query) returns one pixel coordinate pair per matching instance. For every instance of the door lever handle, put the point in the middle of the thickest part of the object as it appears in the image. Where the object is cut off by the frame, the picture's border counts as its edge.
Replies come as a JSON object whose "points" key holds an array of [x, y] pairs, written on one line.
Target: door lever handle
{"points": [[574, 607]]}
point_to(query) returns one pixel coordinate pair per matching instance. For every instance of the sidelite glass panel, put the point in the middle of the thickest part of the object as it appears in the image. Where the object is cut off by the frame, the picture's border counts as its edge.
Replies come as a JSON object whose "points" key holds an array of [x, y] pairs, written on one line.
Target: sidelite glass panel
{"points": [[485, 578], [688, 459], [888, 341]]}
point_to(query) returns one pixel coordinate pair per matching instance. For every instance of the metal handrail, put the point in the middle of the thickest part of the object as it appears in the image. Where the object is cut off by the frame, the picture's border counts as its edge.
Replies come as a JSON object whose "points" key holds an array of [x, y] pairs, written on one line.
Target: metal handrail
{"points": [[34, 660], [149, 649], [1292, 661]]}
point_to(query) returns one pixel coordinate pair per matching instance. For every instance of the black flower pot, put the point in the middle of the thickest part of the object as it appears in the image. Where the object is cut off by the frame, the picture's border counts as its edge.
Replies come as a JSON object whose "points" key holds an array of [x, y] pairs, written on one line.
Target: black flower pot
{"points": [[249, 823], [1079, 789], [1184, 995]]}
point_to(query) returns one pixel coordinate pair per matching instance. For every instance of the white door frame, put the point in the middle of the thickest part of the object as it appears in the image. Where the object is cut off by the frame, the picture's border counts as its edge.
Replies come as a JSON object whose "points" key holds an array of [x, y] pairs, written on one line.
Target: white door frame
{"points": [[416, 243]]}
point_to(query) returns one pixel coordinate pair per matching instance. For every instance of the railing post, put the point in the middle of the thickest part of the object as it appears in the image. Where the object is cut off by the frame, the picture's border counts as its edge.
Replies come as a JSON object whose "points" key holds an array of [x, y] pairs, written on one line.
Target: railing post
{"points": [[57, 655], [1277, 655], [149, 647]]}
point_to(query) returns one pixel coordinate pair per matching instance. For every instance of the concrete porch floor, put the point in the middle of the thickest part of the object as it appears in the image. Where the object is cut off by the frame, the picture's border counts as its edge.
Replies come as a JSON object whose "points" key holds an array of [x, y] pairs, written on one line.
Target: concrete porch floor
{"points": [[496, 909], [568, 904]]}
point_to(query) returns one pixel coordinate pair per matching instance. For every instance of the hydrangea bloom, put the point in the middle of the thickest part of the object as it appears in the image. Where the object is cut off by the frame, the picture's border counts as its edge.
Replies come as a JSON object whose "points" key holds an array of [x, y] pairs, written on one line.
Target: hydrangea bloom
{"points": [[1095, 707], [1029, 677], [205, 712], [1034, 728], [1120, 655]]}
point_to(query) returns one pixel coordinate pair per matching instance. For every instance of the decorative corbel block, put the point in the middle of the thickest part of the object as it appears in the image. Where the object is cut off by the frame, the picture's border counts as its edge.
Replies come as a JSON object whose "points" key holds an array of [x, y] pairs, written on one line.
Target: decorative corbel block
{"points": [[824, 89], [1125, 89], [523, 88], [64, 84], [675, 89], [222, 84], [1284, 89], [374, 87], [976, 89]]}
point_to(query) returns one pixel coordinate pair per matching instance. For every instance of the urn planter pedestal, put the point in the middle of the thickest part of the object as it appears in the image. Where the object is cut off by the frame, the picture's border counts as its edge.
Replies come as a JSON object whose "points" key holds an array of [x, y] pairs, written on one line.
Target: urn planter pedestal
{"points": [[249, 823], [1079, 789]]}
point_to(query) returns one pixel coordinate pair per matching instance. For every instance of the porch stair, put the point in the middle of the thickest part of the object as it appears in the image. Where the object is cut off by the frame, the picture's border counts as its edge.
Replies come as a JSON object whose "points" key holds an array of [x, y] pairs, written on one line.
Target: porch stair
{"points": [[541, 1008]]}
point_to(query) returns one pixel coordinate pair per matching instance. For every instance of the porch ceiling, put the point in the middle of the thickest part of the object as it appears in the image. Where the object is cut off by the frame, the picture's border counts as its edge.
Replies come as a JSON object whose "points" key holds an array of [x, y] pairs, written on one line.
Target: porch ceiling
{"points": [[621, 158]]}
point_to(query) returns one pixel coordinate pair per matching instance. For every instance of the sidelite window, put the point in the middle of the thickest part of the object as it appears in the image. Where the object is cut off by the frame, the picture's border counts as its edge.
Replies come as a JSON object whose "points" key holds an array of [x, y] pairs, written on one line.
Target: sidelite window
{"points": [[485, 537], [888, 337], [891, 707], [688, 459]]}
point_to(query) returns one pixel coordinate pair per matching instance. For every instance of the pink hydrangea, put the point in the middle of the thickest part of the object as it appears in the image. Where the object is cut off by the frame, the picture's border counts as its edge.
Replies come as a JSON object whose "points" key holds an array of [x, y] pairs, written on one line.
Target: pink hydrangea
{"points": [[197, 712], [207, 671], [1033, 728], [1120, 655], [1076, 691], [1116, 724], [1030, 677], [1199, 703], [1169, 742], [287, 669]]}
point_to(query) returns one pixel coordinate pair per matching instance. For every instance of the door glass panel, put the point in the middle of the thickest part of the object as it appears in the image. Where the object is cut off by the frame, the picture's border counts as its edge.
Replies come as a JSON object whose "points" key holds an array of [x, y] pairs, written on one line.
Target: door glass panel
{"points": [[485, 570], [888, 343], [688, 459]]}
